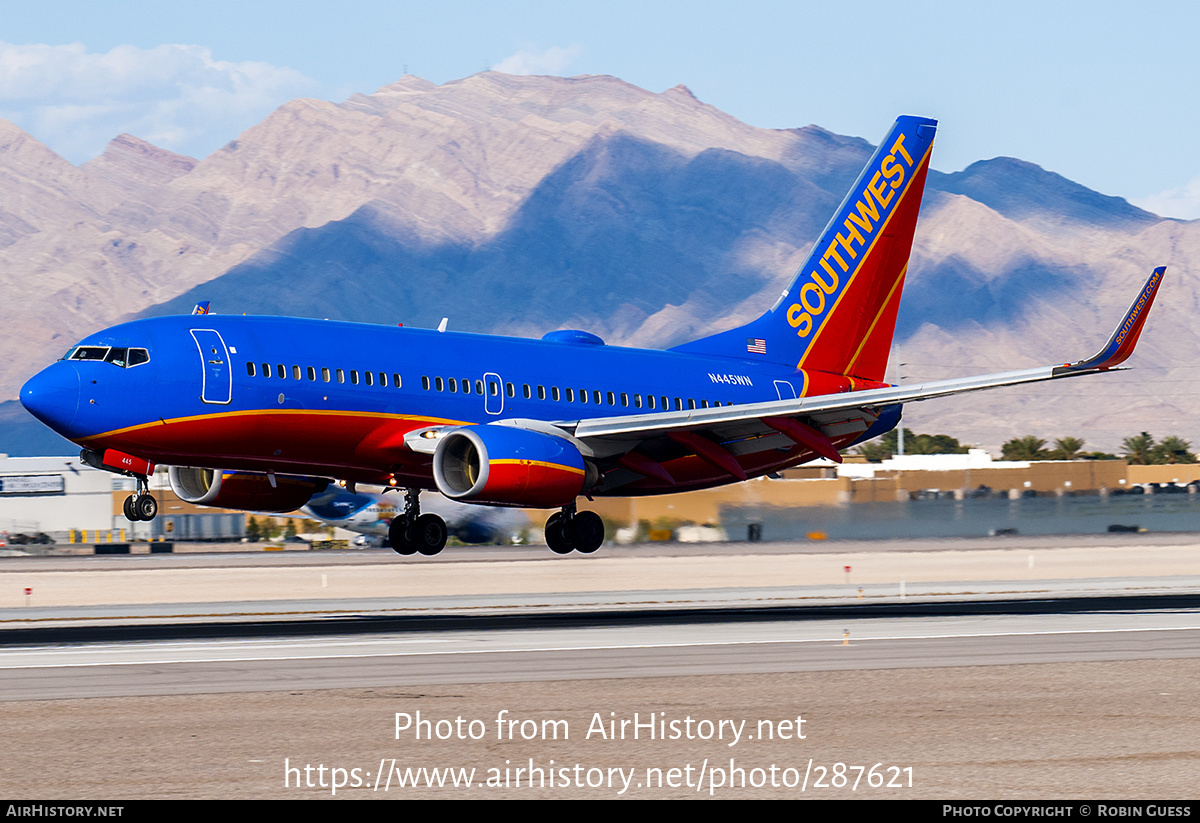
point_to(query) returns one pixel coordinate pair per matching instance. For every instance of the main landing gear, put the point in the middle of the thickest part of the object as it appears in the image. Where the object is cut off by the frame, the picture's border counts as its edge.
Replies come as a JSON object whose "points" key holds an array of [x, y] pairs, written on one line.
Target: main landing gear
{"points": [[141, 505], [568, 531], [414, 532]]}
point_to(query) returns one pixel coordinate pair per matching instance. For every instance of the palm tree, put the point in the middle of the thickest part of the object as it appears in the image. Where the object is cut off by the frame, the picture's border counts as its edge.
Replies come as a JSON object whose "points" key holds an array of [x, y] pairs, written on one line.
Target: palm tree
{"points": [[1138, 450], [1024, 448], [1173, 450], [1067, 448]]}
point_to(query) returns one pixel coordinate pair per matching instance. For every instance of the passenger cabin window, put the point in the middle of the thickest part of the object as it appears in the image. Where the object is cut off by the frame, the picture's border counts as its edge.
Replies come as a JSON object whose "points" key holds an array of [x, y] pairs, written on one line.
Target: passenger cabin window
{"points": [[396, 381], [554, 393], [266, 369], [541, 392], [341, 376], [466, 384], [295, 372], [441, 386], [637, 401], [526, 391], [570, 395], [612, 400], [453, 385], [250, 369], [478, 387], [325, 373], [512, 392], [354, 376], [312, 374], [280, 370], [425, 382]]}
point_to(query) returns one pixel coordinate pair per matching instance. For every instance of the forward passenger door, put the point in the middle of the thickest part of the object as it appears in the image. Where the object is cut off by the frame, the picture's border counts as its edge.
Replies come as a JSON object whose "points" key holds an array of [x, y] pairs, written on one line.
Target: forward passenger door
{"points": [[216, 378]]}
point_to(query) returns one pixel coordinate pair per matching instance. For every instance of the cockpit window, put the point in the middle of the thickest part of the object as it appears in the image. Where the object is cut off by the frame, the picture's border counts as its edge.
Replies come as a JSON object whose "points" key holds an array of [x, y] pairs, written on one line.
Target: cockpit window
{"points": [[90, 353], [117, 355]]}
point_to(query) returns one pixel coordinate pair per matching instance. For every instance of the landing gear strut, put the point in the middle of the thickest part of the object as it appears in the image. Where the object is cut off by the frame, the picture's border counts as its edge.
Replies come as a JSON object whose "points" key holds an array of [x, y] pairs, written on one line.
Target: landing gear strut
{"points": [[568, 531], [141, 505], [414, 532]]}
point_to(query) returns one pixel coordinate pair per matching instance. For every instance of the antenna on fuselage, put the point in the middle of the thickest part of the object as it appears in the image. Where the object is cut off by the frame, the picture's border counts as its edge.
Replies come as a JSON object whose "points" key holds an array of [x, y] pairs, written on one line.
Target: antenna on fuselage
{"points": [[442, 325]]}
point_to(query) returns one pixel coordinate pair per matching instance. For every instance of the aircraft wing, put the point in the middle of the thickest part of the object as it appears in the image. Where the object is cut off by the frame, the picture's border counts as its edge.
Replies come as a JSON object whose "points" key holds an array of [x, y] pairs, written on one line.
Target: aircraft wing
{"points": [[815, 421]]}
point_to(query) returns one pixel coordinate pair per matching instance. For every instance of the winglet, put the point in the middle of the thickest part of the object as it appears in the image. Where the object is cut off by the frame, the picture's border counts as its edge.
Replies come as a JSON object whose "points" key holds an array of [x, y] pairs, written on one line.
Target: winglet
{"points": [[1121, 344]]}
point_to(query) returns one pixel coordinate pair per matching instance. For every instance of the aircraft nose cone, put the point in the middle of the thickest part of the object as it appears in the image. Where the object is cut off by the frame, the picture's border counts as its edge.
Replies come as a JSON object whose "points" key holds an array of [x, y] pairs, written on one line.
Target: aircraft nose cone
{"points": [[52, 396]]}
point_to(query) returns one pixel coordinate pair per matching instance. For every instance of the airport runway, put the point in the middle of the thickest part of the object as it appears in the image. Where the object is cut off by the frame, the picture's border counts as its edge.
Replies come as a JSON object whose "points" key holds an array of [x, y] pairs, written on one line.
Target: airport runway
{"points": [[626, 651], [1031, 700]]}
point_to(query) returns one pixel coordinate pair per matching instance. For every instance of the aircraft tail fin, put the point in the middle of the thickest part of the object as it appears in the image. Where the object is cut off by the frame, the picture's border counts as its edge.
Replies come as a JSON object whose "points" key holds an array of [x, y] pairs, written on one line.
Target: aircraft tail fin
{"points": [[839, 313]]}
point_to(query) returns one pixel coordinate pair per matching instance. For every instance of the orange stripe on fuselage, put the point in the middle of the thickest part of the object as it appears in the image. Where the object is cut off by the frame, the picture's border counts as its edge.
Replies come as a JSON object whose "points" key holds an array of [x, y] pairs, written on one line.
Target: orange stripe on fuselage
{"points": [[429, 421], [306, 441]]}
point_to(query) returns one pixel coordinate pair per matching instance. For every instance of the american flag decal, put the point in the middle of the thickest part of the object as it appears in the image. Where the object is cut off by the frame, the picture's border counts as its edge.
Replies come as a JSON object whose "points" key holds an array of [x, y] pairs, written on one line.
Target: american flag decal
{"points": [[756, 345]]}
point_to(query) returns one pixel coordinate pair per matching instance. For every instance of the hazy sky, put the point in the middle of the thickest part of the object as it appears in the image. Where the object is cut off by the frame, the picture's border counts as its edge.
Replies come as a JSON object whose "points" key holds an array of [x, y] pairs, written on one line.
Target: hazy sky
{"points": [[1099, 92]]}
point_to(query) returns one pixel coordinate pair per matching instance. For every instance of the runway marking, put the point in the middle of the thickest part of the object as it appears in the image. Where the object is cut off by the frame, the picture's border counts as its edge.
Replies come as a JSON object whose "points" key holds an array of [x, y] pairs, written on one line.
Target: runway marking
{"points": [[538, 649]]}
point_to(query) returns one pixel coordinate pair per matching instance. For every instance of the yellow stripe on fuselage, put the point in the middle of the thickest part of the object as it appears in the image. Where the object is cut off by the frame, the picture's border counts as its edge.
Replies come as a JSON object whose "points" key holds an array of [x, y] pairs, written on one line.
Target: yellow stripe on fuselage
{"points": [[257, 412]]}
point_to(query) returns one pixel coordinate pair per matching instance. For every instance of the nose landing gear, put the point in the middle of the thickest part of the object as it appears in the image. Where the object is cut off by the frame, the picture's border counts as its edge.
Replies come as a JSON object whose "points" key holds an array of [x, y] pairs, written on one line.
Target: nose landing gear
{"points": [[141, 505]]}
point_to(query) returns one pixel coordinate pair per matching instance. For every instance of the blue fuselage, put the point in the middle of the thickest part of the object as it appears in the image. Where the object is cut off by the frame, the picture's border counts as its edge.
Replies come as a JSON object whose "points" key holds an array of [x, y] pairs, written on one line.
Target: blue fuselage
{"points": [[334, 398]]}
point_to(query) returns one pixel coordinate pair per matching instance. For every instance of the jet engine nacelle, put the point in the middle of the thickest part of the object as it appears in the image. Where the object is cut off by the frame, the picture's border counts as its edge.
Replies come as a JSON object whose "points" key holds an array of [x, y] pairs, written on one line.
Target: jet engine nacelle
{"points": [[507, 466], [247, 491]]}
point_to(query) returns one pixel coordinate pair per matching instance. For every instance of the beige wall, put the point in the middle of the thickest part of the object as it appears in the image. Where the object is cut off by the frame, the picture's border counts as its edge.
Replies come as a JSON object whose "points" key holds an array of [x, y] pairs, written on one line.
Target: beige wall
{"points": [[814, 486], [1177, 473], [1043, 476]]}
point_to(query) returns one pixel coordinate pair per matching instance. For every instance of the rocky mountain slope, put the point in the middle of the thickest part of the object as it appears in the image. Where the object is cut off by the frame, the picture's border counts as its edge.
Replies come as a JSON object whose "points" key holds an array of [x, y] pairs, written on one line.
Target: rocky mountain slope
{"points": [[520, 204]]}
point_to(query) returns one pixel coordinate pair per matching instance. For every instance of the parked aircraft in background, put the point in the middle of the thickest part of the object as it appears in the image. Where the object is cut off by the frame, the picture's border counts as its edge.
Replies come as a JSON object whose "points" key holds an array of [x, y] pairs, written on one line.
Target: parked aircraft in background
{"points": [[262, 413], [372, 515]]}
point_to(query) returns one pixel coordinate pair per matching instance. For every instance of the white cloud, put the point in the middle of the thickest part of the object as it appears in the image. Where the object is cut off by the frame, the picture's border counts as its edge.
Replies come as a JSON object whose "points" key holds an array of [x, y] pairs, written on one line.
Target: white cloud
{"points": [[553, 60], [176, 96], [1181, 201]]}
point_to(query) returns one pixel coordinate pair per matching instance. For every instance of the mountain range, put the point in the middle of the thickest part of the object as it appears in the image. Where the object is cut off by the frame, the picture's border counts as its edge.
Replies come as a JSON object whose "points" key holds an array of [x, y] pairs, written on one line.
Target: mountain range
{"points": [[514, 204]]}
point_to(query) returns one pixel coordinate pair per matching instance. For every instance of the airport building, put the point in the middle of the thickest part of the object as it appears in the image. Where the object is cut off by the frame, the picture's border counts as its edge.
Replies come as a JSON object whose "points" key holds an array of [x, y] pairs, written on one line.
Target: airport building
{"points": [[68, 501], [52, 495]]}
